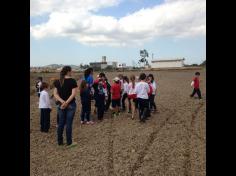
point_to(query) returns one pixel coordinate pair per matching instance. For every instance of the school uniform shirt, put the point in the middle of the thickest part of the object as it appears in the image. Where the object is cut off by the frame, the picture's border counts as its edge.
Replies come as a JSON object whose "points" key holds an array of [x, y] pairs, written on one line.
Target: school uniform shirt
{"points": [[131, 91], [126, 88], [154, 88], [142, 89], [44, 100], [115, 91], [150, 89], [196, 83]]}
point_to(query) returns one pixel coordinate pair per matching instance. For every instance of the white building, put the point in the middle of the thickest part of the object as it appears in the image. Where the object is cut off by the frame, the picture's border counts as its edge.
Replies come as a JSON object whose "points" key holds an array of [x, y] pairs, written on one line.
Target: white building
{"points": [[121, 65], [171, 63]]}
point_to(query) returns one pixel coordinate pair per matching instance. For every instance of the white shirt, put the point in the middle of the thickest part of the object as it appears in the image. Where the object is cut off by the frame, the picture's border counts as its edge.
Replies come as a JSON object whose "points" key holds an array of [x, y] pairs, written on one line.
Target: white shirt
{"points": [[131, 90], [44, 100], [142, 89], [126, 87], [154, 88], [121, 84]]}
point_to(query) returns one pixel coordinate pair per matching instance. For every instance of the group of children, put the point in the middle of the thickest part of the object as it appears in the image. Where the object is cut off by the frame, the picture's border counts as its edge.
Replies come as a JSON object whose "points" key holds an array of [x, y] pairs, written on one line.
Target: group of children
{"points": [[138, 92]]}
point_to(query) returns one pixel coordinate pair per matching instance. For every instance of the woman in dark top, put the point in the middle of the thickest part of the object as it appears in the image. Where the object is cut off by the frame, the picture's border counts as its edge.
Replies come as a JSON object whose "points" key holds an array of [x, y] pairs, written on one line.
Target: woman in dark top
{"points": [[65, 92]]}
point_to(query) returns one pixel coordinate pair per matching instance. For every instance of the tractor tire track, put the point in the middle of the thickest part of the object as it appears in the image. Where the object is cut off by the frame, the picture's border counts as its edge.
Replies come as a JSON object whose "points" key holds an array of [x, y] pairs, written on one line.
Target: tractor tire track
{"points": [[187, 162], [151, 139], [110, 164]]}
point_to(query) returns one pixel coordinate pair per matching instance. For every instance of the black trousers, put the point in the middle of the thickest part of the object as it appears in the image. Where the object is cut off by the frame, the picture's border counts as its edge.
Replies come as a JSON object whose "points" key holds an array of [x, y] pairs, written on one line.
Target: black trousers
{"points": [[86, 110], [123, 100], [152, 102], [100, 108], [45, 119], [198, 93], [143, 105]]}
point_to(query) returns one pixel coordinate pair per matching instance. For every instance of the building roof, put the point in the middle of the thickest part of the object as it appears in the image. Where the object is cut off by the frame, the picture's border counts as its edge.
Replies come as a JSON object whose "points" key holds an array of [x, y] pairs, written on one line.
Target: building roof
{"points": [[169, 60], [98, 63]]}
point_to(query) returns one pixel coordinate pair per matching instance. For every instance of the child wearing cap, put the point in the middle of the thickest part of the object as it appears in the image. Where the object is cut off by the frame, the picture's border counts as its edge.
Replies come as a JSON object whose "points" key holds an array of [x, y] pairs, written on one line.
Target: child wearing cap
{"points": [[115, 94]]}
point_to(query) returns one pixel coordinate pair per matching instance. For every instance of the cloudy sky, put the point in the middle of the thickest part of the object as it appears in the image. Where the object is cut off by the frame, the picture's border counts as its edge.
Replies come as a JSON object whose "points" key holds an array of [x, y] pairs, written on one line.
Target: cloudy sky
{"points": [[81, 31]]}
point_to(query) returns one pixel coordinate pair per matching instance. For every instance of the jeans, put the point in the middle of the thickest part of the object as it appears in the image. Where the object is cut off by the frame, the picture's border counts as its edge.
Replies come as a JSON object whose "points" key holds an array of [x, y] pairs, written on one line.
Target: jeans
{"points": [[143, 105], [45, 119], [85, 113], [66, 116], [198, 93]]}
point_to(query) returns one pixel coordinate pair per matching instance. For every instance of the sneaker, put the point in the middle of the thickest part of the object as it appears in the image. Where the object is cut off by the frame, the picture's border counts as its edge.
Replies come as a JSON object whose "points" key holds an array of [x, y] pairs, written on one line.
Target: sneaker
{"points": [[82, 122], [91, 122], [87, 123], [74, 144]]}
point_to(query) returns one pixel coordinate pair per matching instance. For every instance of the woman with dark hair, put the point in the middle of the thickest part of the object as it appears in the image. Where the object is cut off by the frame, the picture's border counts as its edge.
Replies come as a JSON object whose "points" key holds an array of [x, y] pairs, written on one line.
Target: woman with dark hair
{"points": [[65, 92]]}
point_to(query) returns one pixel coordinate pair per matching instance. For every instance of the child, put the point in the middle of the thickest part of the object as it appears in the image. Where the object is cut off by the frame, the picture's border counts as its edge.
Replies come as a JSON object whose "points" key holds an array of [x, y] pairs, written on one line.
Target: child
{"points": [[116, 94], [85, 98], [108, 101], [125, 91], [142, 89], [152, 97], [45, 108], [38, 85], [196, 86], [101, 94], [149, 96], [121, 82], [132, 97]]}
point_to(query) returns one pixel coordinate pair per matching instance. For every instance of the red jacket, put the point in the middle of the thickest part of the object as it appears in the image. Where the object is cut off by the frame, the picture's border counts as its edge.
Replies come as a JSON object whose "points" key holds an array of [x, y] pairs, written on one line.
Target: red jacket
{"points": [[115, 91]]}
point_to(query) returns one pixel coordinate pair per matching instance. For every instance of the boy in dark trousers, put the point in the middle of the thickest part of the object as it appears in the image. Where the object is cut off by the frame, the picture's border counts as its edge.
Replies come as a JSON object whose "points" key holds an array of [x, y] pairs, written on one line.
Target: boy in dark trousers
{"points": [[45, 108], [196, 83]]}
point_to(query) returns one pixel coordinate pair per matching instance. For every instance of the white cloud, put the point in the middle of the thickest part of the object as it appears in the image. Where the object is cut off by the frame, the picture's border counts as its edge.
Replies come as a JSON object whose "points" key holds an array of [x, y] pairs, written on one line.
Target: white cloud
{"points": [[76, 19]]}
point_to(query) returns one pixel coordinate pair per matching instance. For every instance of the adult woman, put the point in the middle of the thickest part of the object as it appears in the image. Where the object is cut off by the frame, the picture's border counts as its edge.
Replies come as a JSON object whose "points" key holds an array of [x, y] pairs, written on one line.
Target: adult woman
{"points": [[65, 92]]}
